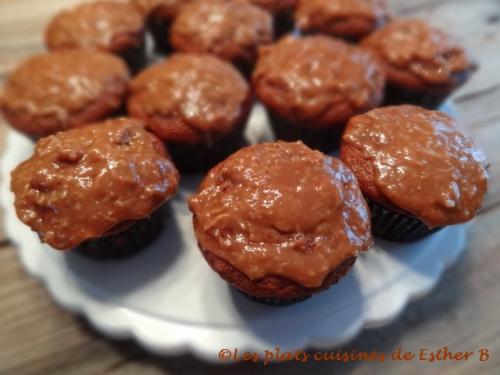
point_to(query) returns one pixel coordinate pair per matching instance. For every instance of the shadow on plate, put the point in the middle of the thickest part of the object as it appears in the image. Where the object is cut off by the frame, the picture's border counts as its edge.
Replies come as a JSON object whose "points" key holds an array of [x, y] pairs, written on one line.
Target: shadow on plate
{"points": [[436, 307], [100, 279], [341, 300]]}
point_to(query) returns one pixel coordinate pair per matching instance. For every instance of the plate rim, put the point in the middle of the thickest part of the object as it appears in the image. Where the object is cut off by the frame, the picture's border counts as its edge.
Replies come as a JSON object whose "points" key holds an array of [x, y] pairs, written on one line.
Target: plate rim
{"points": [[119, 323]]}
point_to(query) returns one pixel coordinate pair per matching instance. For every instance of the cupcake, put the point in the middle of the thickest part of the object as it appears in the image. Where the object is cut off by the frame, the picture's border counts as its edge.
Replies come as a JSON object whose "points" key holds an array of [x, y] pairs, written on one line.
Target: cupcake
{"points": [[280, 222], [349, 19], [282, 11], [312, 86], [232, 30], [422, 64], [93, 188], [56, 91], [197, 104], [418, 172], [159, 15], [109, 26]]}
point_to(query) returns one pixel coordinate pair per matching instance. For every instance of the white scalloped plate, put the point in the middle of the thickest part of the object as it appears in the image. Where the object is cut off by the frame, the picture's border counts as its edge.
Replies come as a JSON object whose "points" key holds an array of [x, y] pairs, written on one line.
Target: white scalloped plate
{"points": [[171, 302]]}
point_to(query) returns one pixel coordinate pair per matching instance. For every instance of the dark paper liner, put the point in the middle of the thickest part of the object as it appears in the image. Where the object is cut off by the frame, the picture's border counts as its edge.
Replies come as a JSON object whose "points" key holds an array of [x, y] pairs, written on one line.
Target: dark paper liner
{"points": [[160, 31], [245, 68], [202, 157], [345, 38], [135, 57], [283, 23], [392, 226], [398, 95], [331, 279], [275, 301], [325, 140], [430, 99], [127, 243]]}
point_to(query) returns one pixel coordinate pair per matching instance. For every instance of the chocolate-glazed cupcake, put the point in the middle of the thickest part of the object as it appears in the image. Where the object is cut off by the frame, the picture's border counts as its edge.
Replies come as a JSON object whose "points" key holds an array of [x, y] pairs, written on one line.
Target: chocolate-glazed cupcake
{"points": [[159, 15], [313, 85], [110, 26], [198, 104], [280, 221], [230, 29], [282, 11], [422, 64], [93, 188], [418, 172], [349, 19], [60, 90]]}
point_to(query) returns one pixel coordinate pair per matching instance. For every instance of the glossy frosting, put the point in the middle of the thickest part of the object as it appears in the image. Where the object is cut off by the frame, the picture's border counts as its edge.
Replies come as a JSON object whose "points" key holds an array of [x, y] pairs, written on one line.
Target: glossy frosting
{"points": [[413, 46], [422, 163], [82, 183], [281, 209], [274, 5], [232, 30], [316, 80], [200, 91], [167, 8], [100, 24], [325, 14], [60, 86]]}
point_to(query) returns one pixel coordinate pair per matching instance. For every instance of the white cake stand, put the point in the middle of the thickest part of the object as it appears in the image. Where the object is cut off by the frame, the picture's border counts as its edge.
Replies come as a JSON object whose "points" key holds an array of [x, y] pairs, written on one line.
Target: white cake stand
{"points": [[169, 300]]}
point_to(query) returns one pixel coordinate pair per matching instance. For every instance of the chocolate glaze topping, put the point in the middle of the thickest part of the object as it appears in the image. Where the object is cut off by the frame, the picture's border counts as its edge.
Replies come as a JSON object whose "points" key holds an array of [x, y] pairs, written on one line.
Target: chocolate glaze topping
{"points": [[274, 6], [60, 85], [309, 80], [232, 30], [82, 183], [202, 91], [426, 52], [168, 8], [422, 164], [106, 25], [281, 209], [324, 14]]}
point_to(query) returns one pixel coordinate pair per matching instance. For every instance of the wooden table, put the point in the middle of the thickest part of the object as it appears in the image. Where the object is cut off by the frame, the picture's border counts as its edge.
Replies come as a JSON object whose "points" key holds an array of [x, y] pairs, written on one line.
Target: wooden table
{"points": [[462, 313]]}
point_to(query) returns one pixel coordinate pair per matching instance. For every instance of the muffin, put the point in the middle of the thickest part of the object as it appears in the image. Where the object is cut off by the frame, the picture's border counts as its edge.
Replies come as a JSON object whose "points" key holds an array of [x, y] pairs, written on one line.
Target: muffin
{"points": [[159, 15], [348, 19], [232, 30], [197, 104], [56, 91], [418, 172], [282, 11], [312, 86], [109, 26], [280, 221], [93, 188], [422, 64]]}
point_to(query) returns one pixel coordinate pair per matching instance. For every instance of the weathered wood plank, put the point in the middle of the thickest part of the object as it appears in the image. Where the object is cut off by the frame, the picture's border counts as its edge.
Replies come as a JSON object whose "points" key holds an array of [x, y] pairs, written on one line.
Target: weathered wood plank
{"points": [[36, 336], [3, 238], [48, 340]]}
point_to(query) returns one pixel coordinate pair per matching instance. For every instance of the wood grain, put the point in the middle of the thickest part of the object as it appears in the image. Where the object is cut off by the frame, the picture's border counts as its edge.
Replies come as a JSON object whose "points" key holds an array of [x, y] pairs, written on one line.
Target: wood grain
{"points": [[463, 313], [3, 239]]}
